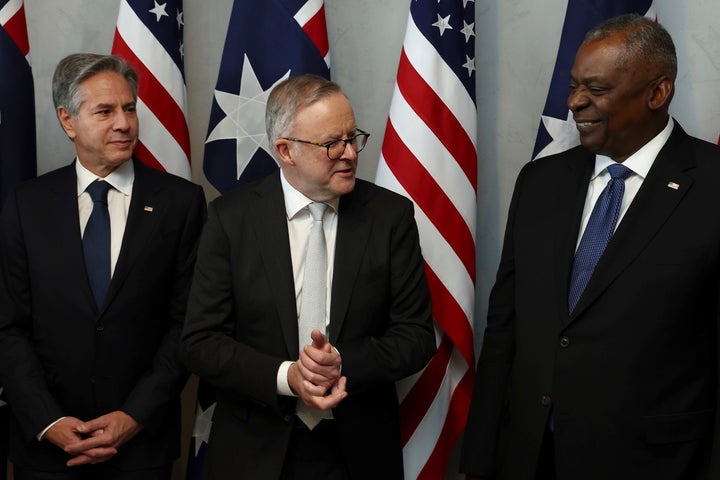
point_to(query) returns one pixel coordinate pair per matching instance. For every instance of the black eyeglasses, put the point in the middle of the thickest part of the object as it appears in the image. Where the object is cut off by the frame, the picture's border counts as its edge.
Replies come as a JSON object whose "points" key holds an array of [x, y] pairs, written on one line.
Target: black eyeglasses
{"points": [[336, 148]]}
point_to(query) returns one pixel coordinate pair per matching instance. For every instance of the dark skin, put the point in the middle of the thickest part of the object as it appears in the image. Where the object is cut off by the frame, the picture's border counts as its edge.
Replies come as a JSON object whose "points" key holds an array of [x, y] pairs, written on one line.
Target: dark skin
{"points": [[619, 103]]}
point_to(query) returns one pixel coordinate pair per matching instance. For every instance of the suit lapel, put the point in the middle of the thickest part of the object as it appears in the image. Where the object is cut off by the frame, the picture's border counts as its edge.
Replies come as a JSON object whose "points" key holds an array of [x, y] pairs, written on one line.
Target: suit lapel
{"points": [[569, 207], [146, 209], [269, 219], [653, 204], [65, 214], [353, 231]]}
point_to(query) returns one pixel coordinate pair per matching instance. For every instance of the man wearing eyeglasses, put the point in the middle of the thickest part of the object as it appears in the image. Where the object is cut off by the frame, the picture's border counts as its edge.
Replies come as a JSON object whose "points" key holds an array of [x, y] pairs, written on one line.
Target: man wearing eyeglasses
{"points": [[298, 401]]}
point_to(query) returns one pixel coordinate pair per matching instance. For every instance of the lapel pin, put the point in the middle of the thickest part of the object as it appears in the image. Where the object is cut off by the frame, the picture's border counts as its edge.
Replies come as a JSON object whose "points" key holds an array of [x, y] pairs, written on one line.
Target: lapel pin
{"points": [[673, 185], [148, 208]]}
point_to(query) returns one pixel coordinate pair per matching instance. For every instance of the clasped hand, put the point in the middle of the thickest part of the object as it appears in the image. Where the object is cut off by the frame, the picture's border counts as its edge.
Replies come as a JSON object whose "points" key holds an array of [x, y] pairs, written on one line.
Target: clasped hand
{"points": [[315, 377], [93, 441]]}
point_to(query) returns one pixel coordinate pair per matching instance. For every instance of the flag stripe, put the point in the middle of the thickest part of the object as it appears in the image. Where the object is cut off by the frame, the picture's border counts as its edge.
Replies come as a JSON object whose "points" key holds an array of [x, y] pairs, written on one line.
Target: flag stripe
{"points": [[429, 155], [441, 120], [429, 196], [454, 424], [147, 45], [417, 401], [156, 98]]}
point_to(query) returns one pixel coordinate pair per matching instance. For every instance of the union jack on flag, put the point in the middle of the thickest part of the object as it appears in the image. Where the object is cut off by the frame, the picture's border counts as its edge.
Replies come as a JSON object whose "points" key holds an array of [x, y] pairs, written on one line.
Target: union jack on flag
{"points": [[17, 100], [266, 42], [557, 131], [149, 35], [429, 155]]}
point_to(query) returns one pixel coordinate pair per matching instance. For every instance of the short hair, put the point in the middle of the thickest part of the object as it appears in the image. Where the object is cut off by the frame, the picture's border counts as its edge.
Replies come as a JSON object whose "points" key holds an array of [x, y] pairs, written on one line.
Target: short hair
{"points": [[289, 95], [646, 41], [74, 69]]}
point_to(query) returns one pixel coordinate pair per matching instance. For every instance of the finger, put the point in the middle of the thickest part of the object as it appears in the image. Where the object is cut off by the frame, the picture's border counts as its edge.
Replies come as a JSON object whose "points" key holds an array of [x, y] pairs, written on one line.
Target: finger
{"points": [[100, 441], [92, 425], [319, 340]]}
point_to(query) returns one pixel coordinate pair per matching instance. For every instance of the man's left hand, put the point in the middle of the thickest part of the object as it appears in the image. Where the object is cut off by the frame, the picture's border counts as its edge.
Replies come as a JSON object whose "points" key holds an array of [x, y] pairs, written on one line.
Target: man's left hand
{"points": [[104, 435]]}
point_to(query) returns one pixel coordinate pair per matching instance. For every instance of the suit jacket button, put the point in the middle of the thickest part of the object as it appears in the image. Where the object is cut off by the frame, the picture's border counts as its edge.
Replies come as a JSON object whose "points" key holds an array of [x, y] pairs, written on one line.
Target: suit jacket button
{"points": [[100, 327], [546, 401], [564, 342], [288, 418]]}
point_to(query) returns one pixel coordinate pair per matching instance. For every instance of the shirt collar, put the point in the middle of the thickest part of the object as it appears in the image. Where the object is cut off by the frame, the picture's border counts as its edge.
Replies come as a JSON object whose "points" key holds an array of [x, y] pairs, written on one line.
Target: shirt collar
{"points": [[296, 201], [121, 178], [640, 161]]}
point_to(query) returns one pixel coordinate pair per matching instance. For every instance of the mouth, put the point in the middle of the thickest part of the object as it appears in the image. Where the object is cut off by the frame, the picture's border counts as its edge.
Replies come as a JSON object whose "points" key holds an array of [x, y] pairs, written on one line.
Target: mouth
{"points": [[586, 123]]}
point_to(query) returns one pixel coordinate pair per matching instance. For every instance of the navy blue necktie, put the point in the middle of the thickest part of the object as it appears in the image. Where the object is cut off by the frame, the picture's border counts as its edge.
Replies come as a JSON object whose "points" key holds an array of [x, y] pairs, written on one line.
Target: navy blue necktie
{"points": [[599, 230], [96, 241]]}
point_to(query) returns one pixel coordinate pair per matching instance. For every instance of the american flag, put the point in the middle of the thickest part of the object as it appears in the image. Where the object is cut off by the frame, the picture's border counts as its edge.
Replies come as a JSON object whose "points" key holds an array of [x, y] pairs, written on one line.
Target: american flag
{"points": [[149, 35], [428, 154], [557, 131], [17, 100], [266, 42]]}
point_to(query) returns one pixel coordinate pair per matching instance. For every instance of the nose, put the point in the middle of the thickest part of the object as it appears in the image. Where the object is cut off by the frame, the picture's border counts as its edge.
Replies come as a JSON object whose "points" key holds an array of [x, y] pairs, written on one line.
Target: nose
{"points": [[350, 152], [122, 121], [577, 99]]}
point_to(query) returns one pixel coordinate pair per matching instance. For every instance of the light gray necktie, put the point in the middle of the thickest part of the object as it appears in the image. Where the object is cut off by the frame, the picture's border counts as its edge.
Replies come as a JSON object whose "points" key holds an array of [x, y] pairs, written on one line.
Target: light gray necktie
{"points": [[313, 298]]}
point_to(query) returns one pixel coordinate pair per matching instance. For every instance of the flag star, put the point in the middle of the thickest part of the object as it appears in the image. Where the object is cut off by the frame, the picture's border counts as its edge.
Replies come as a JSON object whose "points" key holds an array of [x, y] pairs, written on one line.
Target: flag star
{"points": [[202, 426], [244, 119], [159, 11], [442, 24], [179, 19], [468, 31], [563, 132], [465, 2], [182, 50], [470, 65]]}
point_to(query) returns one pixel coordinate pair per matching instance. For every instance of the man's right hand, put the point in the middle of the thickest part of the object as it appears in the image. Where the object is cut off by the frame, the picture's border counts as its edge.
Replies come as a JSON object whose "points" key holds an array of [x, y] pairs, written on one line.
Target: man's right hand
{"points": [[64, 432]]}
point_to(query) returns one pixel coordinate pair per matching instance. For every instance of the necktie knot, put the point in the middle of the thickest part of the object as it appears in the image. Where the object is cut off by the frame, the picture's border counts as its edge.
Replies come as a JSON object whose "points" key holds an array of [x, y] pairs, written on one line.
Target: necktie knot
{"points": [[98, 191], [619, 171], [317, 210]]}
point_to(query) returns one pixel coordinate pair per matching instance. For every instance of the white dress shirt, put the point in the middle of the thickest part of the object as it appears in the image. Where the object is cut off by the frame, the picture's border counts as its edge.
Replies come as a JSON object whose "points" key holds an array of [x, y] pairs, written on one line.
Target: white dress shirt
{"points": [[299, 222], [639, 162], [121, 179]]}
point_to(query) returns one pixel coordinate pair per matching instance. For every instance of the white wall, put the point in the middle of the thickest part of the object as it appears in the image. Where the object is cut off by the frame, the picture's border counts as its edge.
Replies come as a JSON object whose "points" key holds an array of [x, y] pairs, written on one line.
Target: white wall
{"points": [[516, 46]]}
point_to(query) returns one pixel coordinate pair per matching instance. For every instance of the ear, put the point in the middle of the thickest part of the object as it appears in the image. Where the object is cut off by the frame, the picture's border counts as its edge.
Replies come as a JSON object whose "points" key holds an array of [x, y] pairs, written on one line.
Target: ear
{"points": [[66, 121], [284, 152], [661, 92]]}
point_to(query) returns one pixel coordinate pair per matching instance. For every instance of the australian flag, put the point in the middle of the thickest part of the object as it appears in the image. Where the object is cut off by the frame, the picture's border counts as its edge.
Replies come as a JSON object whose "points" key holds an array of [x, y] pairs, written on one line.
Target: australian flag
{"points": [[557, 130], [266, 43], [17, 100]]}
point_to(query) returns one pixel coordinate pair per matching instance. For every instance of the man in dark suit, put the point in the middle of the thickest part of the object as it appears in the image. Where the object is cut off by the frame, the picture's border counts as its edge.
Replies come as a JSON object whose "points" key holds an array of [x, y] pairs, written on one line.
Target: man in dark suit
{"points": [[247, 304], [94, 373], [624, 384]]}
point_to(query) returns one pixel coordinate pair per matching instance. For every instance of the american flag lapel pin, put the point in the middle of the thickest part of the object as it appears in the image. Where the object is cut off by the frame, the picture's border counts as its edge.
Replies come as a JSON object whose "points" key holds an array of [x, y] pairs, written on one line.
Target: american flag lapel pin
{"points": [[673, 185], [148, 208]]}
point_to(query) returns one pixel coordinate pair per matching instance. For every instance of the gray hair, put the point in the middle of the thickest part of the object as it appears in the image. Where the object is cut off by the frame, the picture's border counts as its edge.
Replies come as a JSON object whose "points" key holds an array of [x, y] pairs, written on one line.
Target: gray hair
{"points": [[74, 69], [646, 41], [289, 95]]}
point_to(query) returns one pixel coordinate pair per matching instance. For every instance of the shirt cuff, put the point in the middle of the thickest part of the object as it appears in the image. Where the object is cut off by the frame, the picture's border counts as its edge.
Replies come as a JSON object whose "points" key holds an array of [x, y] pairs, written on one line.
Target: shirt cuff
{"points": [[41, 435], [283, 387]]}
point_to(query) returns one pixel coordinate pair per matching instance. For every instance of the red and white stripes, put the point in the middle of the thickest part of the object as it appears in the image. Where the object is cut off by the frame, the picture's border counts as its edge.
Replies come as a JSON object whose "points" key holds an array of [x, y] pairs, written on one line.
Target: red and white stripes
{"points": [[164, 142], [429, 155]]}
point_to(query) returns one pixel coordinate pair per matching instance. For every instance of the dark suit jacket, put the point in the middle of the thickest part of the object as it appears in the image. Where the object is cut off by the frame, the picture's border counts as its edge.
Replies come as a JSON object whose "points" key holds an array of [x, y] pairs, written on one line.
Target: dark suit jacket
{"points": [[632, 376], [242, 323], [59, 355]]}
